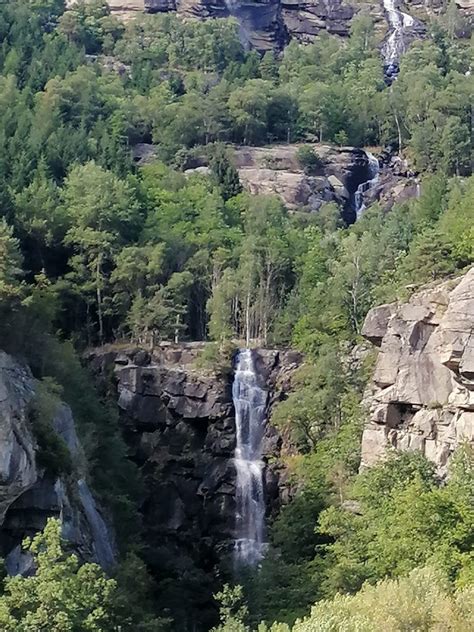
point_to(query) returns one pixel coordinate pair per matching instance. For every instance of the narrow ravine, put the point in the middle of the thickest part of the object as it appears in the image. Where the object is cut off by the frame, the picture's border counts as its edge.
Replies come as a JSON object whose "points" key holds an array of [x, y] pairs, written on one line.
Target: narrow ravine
{"points": [[250, 402]]}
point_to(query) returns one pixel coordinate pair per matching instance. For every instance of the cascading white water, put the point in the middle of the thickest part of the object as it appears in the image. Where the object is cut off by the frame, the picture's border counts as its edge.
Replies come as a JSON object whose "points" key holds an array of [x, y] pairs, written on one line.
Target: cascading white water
{"points": [[373, 170], [394, 46], [234, 7], [250, 403]]}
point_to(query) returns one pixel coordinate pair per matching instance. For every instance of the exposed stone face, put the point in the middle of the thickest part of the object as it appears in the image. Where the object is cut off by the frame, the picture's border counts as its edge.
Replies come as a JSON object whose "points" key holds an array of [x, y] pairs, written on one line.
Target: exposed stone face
{"points": [[422, 393], [179, 423], [18, 469], [269, 24], [276, 170], [28, 494]]}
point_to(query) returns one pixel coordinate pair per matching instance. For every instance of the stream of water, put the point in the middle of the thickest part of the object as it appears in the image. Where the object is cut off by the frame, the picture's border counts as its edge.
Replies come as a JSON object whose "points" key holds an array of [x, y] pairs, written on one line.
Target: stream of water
{"points": [[394, 45], [359, 204], [250, 402]]}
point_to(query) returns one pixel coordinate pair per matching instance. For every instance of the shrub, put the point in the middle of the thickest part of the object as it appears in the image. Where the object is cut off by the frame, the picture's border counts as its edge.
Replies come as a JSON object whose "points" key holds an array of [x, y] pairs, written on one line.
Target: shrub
{"points": [[421, 601], [308, 159], [52, 452]]}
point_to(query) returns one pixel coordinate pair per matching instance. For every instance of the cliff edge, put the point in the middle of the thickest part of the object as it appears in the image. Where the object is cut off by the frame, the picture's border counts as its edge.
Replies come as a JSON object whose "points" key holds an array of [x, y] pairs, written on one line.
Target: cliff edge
{"points": [[422, 393]]}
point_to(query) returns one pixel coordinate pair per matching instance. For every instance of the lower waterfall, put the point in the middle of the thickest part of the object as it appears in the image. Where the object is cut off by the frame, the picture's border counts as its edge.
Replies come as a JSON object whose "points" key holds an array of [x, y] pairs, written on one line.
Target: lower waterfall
{"points": [[250, 402]]}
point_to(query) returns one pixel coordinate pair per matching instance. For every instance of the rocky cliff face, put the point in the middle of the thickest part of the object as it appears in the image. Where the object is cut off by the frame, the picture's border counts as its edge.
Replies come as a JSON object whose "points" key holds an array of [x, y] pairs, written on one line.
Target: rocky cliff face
{"points": [[266, 24], [275, 170], [179, 423], [422, 393], [29, 494], [269, 24]]}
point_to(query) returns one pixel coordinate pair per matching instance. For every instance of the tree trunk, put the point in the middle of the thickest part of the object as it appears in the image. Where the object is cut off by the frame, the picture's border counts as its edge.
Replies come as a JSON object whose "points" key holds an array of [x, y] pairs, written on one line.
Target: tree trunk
{"points": [[99, 299], [247, 320]]}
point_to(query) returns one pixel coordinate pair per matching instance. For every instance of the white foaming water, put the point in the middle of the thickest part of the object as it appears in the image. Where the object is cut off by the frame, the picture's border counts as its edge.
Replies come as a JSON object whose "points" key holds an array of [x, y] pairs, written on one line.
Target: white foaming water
{"points": [[250, 403], [234, 7], [395, 45], [368, 184]]}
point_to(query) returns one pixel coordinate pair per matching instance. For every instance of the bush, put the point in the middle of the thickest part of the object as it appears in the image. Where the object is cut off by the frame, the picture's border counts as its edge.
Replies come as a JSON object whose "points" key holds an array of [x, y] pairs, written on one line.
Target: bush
{"points": [[52, 453], [308, 159], [421, 601], [217, 357]]}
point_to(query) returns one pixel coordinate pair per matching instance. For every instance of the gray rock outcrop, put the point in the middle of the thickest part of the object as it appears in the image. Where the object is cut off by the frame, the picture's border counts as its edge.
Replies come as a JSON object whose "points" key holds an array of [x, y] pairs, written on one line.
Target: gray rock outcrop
{"points": [[29, 493], [268, 24], [422, 393], [18, 468], [275, 170]]}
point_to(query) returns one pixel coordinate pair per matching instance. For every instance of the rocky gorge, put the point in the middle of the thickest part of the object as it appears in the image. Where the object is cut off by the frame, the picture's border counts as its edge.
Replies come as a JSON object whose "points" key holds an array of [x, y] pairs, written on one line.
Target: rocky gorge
{"points": [[179, 422], [177, 416]]}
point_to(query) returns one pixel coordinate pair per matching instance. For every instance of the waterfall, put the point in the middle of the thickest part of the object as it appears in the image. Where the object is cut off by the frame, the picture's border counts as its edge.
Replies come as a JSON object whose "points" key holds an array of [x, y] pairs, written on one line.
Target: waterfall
{"points": [[394, 45], [250, 402], [103, 547], [234, 7], [373, 170]]}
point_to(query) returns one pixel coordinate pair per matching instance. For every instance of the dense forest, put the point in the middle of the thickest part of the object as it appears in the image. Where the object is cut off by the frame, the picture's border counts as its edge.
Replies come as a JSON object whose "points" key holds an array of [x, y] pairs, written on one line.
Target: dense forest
{"points": [[95, 249]]}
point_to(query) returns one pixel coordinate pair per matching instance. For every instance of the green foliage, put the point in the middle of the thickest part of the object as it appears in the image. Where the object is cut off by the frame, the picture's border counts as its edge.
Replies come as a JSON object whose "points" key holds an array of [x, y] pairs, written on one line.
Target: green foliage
{"points": [[52, 453], [95, 248], [420, 601], [10, 263], [62, 595], [404, 520], [232, 610], [308, 159], [134, 598], [224, 172], [315, 404], [217, 357]]}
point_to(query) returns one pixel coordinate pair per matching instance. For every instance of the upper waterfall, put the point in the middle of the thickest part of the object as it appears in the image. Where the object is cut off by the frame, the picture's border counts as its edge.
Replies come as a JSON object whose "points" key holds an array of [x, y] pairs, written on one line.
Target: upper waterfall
{"points": [[250, 402], [394, 45]]}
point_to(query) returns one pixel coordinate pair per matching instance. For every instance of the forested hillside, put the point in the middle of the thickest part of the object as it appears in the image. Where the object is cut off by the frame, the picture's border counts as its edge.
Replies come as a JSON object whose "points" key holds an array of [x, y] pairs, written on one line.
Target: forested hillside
{"points": [[96, 249]]}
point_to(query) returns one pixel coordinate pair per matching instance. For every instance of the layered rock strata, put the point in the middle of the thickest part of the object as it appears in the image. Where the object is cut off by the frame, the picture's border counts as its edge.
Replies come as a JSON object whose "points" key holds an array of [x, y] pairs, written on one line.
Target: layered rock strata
{"points": [[422, 393]]}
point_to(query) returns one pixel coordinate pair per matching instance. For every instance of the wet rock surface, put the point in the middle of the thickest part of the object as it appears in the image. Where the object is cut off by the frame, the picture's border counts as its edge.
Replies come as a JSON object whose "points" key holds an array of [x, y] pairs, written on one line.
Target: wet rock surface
{"points": [[422, 393], [179, 423]]}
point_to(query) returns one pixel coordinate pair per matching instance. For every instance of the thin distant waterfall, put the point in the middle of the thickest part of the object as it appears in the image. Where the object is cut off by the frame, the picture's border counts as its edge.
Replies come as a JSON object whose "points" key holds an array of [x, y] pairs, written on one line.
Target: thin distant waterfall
{"points": [[250, 402]]}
